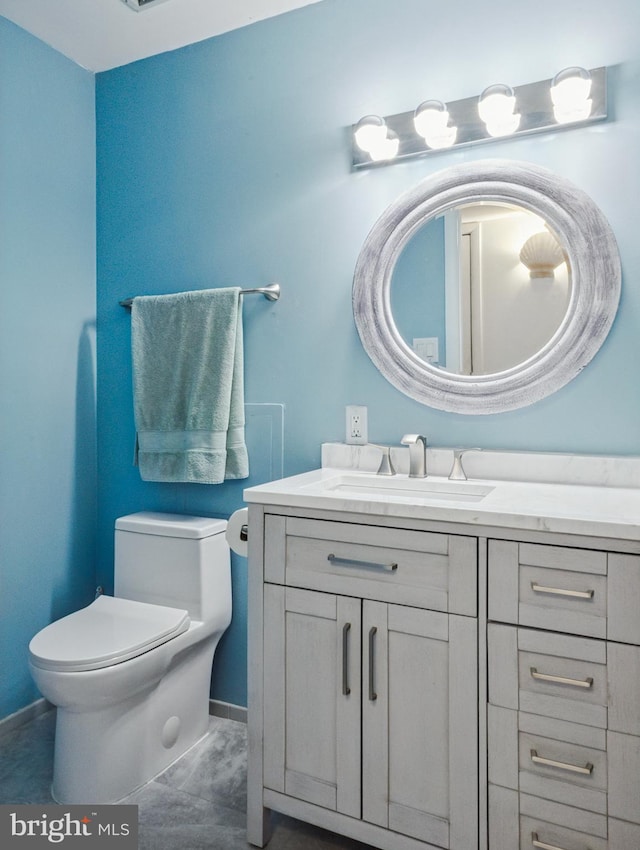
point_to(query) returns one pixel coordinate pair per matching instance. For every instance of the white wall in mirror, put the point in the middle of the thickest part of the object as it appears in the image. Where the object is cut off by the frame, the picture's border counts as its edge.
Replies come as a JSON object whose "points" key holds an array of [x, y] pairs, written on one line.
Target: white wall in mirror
{"points": [[509, 316]]}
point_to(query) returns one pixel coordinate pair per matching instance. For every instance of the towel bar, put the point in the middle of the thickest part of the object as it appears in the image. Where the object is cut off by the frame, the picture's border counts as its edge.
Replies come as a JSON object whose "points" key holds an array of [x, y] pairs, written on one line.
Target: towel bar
{"points": [[271, 293]]}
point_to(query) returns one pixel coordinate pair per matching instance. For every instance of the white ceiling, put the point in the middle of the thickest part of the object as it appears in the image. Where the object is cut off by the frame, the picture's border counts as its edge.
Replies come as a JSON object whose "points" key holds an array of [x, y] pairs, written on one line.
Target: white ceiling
{"points": [[103, 34]]}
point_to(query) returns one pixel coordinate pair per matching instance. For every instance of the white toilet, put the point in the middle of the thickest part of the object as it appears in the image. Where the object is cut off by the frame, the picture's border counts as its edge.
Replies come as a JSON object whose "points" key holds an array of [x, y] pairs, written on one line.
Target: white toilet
{"points": [[130, 674]]}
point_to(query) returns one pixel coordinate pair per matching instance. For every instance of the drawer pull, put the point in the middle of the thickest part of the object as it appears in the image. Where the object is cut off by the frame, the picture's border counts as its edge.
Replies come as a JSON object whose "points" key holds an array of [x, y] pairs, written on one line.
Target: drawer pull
{"points": [[373, 696], [346, 690], [541, 845], [561, 680], [352, 562], [561, 765], [562, 591]]}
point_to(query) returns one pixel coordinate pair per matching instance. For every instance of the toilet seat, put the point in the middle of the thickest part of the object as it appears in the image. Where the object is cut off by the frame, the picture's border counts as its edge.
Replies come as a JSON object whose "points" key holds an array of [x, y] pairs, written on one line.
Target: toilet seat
{"points": [[108, 631]]}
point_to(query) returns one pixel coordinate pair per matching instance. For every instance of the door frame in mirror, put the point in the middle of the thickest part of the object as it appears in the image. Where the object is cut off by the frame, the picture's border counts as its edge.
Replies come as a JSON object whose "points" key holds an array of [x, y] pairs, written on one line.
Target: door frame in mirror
{"points": [[592, 255]]}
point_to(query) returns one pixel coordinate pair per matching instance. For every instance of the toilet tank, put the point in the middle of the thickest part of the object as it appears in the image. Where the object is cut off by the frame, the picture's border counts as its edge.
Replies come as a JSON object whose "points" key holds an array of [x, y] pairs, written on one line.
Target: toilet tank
{"points": [[175, 560]]}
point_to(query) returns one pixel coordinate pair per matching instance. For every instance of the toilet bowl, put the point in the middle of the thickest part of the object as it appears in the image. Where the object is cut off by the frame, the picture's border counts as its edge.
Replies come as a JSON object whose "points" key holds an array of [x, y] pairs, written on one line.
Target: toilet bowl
{"points": [[130, 673]]}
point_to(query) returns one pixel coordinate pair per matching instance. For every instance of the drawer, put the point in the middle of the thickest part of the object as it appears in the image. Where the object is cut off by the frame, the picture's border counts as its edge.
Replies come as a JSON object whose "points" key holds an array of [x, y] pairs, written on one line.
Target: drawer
{"points": [[574, 602], [520, 821], [422, 569], [546, 680], [549, 587], [536, 834], [577, 591], [524, 822], [558, 676], [591, 769], [550, 759], [546, 823], [582, 680], [562, 770]]}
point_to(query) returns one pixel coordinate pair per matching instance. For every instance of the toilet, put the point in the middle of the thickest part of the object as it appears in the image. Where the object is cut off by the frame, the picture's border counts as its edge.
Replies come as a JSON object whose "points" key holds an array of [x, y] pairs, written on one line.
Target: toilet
{"points": [[130, 673]]}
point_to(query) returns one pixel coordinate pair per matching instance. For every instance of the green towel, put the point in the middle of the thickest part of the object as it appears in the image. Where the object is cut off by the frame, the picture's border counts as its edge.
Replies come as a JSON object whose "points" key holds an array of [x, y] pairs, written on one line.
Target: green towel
{"points": [[188, 386]]}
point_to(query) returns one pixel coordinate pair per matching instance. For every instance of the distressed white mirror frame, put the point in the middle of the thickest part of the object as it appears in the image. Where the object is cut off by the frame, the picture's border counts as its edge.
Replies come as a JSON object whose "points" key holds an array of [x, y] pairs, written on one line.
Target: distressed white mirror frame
{"points": [[594, 265]]}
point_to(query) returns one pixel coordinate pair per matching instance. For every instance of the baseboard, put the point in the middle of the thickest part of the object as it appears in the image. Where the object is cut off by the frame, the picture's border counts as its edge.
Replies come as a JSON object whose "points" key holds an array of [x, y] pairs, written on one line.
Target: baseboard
{"points": [[227, 710], [24, 715], [217, 708]]}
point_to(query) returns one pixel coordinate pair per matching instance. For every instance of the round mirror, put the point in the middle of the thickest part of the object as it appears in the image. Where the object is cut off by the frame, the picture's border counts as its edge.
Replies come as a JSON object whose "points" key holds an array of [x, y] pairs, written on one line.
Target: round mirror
{"points": [[486, 287]]}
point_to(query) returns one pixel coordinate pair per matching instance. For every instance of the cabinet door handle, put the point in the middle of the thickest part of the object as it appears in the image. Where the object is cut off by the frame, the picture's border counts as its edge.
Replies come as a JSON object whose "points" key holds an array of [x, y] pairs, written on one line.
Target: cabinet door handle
{"points": [[562, 591], [373, 696], [346, 690], [561, 765], [541, 845], [561, 680], [353, 562]]}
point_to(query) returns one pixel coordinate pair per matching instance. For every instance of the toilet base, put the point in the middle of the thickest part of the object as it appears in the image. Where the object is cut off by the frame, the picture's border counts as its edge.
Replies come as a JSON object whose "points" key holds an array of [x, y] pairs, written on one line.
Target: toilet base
{"points": [[104, 754]]}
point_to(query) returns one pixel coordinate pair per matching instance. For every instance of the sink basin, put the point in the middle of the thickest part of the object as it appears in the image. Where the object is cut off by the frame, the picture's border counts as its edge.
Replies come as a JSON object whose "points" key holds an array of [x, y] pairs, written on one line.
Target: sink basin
{"points": [[401, 487]]}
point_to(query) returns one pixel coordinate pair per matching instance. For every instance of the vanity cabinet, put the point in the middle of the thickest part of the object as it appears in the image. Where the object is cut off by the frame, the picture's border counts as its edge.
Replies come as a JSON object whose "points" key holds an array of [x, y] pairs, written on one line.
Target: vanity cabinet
{"points": [[564, 698], [422, 684], [369, 681]]}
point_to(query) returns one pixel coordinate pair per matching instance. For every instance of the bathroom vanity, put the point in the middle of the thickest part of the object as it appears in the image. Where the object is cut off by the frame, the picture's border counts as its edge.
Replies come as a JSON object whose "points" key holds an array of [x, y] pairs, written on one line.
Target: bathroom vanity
{"points": [[439, 664]]}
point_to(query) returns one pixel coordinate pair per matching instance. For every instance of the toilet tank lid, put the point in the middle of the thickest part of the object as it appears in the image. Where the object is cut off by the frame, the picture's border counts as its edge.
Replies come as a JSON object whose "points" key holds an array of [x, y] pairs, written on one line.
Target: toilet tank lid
{"points": [[171, 525]]}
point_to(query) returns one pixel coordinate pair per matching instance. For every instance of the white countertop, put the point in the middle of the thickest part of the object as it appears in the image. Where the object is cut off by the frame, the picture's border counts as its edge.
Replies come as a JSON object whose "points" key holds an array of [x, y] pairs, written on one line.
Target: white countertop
{"points": [[601, 508]]}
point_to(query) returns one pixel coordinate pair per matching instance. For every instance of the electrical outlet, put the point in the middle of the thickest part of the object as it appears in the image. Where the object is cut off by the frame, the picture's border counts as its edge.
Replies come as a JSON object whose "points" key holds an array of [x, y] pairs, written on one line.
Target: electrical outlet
{"points": [[427, 348], [356, 424]]}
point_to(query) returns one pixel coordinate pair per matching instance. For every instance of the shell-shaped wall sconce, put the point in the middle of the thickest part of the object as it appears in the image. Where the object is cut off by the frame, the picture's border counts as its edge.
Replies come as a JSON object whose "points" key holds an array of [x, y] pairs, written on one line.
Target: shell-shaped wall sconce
{"points": [[541, 254]]}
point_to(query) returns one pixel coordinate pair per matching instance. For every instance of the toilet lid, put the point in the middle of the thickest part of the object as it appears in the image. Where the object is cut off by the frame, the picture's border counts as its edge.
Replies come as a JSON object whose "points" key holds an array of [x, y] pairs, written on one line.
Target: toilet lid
{"points": [[108, 631]]}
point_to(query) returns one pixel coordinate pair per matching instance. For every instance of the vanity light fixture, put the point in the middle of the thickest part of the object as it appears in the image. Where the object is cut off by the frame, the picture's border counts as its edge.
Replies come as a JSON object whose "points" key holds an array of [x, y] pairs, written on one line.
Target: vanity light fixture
{"points": [[542, 255], [574, 97]]}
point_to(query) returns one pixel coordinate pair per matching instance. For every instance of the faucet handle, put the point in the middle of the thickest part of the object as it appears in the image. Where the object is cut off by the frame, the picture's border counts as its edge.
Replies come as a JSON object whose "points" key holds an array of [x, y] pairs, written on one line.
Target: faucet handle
{"points": [[457, 471], [386, 466]]}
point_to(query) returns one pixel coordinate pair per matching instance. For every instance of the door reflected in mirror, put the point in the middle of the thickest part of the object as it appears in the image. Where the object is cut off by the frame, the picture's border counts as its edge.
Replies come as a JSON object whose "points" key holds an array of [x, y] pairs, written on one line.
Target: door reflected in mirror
{"points": [[480, 288]]}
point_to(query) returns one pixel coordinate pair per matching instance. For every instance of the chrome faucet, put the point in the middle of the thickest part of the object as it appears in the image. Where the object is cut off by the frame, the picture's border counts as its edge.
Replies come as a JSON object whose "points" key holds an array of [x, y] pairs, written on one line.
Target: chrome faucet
{"points": [[417, 454]]}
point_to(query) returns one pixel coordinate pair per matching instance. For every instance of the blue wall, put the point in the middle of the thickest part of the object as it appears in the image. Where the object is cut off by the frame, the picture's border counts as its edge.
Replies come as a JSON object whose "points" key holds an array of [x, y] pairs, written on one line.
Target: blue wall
{"points": [[227, 163], [47, 343]]}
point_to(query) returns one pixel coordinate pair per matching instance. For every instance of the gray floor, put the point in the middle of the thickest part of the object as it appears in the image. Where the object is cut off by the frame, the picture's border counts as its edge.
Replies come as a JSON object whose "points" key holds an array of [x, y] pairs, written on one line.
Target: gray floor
{"points": [[198, 803]]}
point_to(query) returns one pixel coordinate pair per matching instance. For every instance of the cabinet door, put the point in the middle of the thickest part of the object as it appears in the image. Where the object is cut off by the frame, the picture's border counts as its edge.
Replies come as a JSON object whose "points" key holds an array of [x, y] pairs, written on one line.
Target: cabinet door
{"points": [[420, 722], [312, 697]]}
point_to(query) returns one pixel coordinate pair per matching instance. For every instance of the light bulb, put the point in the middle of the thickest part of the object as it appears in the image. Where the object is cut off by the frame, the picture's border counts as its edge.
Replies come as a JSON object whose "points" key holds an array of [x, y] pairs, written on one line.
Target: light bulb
{"points": [[570, 90], [373, 137], [496, 107], [386, 148], [431, 120], [370, 132]]}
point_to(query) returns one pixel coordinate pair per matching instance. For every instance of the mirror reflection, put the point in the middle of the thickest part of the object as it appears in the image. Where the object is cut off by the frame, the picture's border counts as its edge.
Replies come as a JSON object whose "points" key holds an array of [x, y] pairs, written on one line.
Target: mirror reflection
{"points": [[480, 288]]}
